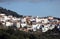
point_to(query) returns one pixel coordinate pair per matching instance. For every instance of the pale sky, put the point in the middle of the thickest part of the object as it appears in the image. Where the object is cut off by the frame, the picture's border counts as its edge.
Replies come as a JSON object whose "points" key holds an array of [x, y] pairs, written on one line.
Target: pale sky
{"points": [[34, 8]]}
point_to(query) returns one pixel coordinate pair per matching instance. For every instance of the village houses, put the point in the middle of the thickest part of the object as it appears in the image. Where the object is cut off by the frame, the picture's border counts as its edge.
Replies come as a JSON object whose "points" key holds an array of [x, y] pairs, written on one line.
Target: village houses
{"points": [[30, 23]]}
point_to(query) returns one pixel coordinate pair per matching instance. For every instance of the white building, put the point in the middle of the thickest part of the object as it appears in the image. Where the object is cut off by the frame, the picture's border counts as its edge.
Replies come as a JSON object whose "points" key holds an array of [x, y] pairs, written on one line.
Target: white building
{"points": [[23, 24], [18, 24], [9, 23], [45, 28]]}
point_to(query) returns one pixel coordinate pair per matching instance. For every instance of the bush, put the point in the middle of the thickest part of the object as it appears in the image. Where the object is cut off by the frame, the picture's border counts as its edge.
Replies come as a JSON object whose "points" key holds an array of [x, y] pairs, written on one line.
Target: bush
{"points": [[16, 34]]}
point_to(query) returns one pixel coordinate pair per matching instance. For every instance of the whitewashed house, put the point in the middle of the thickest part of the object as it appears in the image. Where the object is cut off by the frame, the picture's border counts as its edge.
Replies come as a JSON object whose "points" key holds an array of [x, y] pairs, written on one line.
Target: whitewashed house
{"points": [[23, 24], [45, 28], [23, 20], [52, 26], [9, 23], [18, 24]]}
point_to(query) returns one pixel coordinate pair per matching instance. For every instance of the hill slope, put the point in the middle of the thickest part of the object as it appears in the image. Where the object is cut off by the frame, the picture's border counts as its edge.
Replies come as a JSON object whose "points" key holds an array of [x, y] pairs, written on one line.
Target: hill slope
{"points": [[9, 12]]}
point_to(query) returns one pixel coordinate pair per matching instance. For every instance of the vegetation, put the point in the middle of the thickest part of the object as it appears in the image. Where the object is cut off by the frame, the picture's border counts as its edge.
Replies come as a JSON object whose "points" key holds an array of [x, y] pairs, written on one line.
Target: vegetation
{"points": [[10, 33], [9, 12]]}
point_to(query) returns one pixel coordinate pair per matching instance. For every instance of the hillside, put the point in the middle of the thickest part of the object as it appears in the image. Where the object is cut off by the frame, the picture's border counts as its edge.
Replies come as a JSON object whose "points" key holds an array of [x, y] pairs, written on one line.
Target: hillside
{"points": [[16, 34], [11, 33], [9, 12]]}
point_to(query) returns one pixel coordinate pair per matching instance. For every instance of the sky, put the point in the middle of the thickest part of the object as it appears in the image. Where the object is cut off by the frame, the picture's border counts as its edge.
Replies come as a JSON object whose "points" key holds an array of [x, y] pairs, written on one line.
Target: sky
{"points": [[33, 7]]}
